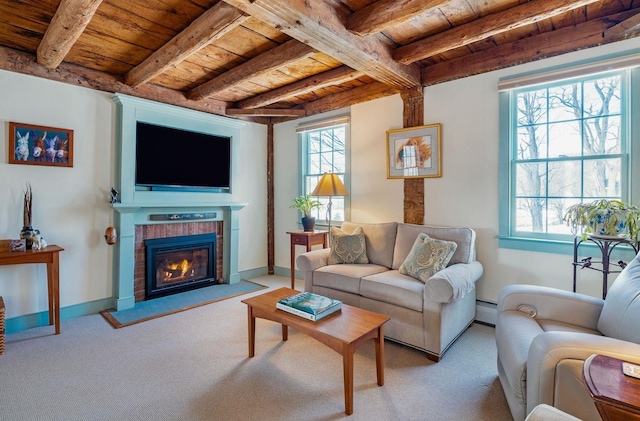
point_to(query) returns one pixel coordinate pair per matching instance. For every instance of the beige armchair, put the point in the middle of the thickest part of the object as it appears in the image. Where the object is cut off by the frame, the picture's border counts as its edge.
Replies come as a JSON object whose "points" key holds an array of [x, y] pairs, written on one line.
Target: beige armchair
{"points": [[544, 335]]}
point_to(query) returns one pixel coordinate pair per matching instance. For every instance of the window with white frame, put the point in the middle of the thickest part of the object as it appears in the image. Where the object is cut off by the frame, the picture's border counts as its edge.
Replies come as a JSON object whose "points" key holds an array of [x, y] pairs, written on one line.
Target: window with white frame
{"points": [[325, 149], [564, 142]]}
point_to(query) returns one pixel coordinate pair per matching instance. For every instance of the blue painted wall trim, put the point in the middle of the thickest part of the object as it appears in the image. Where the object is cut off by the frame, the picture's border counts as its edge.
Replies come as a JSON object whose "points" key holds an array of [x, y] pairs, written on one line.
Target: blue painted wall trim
{"points": [[29, 321]]}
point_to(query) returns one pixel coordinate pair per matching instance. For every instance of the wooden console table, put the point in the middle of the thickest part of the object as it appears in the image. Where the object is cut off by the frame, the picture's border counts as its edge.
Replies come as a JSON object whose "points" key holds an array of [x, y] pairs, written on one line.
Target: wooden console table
{"points": [[48, 255], [305, 238], [616, 395]]}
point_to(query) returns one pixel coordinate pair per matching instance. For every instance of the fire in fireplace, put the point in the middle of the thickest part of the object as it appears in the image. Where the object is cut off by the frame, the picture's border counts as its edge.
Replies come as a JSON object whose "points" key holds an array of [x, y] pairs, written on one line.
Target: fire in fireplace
{"points": [[178, 264]]}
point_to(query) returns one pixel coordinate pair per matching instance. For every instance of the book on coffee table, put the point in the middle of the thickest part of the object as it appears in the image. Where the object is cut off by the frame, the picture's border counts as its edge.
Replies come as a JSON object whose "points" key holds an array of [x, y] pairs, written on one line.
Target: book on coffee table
{"points": [[309, 305]]}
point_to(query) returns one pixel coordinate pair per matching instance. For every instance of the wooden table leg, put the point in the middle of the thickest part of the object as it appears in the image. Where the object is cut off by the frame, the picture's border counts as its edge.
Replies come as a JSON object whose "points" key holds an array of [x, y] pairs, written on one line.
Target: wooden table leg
{"points": [[293, 268], [380, 356], [347, 367], [53, 281], [285, 332], [252, 332]]}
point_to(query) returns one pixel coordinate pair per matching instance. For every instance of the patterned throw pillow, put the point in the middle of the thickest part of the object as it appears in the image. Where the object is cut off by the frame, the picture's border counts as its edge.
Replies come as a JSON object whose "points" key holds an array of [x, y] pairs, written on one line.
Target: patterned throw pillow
{"points": [[427, 256], [347, 248]]}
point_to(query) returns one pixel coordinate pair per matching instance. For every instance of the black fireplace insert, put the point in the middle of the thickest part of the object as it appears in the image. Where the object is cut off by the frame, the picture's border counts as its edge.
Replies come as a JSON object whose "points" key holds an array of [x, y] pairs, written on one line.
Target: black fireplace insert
{"points": [[178, 264]]}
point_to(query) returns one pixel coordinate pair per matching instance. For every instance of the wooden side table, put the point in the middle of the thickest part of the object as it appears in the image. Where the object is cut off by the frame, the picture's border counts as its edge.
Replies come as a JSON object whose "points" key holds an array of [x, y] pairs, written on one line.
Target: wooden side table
{"points": [[616, 395], [305, 238], [50, 256]]}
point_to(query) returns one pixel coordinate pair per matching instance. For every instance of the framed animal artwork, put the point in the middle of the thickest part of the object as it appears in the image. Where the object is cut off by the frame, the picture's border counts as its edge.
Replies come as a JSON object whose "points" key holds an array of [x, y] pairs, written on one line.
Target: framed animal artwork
{"points": [[414, 152], [40, 145]]}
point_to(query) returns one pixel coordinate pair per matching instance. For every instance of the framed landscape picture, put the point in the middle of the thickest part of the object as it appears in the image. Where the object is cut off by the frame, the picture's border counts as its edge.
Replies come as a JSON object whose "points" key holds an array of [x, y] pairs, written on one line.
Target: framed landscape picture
{"points": [[414, 152], [40, 145]]}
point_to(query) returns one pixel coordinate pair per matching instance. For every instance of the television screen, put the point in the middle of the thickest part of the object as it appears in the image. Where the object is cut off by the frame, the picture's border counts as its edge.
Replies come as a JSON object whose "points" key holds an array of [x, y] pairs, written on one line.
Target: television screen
{"points": [[169, 158]]}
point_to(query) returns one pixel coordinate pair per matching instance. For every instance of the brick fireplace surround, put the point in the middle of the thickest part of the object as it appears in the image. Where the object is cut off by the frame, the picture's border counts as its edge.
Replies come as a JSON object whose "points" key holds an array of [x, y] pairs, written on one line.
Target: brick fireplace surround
{"points": [[148, 232]]}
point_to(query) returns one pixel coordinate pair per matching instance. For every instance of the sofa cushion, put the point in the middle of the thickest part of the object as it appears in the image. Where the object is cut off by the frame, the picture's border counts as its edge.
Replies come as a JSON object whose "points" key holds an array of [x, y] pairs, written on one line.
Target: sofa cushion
{"points": [[394, 288], [380, 239], [345, 277], [621, 310], [427, 257], [465, 238], [347, 248]]}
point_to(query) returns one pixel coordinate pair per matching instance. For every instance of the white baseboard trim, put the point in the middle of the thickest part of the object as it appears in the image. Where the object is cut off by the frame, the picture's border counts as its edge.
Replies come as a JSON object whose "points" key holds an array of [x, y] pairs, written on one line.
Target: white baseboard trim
{"points": [[486, 312]]}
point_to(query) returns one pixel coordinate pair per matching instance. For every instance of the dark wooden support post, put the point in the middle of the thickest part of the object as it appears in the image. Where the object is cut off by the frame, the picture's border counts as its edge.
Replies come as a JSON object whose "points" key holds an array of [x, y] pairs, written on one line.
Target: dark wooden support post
{"points": [[413, 115], [270, 200]]}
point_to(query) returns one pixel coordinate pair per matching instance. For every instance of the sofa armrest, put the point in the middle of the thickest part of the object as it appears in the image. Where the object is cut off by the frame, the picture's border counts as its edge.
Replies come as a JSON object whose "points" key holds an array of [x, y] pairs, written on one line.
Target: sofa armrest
{"points": [[453, 282], [550, 348], [312, 260], [552, 304]]}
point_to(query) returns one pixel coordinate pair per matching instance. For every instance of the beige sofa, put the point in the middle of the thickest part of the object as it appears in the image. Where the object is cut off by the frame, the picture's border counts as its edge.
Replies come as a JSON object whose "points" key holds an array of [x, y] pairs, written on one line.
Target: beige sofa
{"points": [[544, 335], [428, 316]]}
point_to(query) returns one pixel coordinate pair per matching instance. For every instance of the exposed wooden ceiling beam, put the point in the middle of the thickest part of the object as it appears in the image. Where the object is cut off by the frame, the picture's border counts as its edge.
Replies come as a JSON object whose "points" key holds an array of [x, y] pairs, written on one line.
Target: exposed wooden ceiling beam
{"points": [[549, 44], [211, 25], [353, 96], [267, 112], [626, 29], [279, 56], [20, 62], [331, 77], [68, 23], [383, 14], [316, 23], [485, 27]]}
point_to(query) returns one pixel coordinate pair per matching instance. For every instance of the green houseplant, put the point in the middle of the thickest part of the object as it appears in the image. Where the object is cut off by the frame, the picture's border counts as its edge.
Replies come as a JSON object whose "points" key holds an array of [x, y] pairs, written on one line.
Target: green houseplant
{"points": [[306, 204], [604, 218]]}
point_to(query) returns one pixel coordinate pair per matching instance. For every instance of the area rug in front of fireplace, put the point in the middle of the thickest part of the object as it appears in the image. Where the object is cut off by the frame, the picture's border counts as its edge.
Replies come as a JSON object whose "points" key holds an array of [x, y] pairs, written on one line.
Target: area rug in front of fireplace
{"points": [[158, 307]]}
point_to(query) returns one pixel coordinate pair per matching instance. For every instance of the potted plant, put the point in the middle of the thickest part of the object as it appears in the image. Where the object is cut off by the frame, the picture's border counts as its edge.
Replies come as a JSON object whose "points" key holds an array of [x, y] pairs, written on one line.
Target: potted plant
{"points": [[603, 217], [306, 204]]}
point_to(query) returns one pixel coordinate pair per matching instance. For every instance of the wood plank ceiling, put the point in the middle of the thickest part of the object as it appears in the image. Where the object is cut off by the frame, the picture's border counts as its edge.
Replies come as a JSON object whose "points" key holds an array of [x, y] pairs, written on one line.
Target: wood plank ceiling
{"points": [[269, 60]]}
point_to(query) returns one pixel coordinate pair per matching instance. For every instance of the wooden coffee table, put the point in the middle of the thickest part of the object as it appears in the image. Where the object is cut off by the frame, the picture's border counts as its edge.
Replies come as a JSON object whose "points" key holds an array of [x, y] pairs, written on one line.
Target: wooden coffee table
{"points": [[343, 331]]}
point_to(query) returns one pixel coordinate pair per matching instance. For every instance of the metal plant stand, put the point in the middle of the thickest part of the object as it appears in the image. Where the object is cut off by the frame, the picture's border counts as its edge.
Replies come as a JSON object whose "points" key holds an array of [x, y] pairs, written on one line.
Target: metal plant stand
{"points": [[606, 246]]}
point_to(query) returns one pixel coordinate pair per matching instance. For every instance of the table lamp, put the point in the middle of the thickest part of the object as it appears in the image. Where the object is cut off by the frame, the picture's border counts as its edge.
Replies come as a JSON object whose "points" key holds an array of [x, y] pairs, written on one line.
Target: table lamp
{"points": [[330, 185]]}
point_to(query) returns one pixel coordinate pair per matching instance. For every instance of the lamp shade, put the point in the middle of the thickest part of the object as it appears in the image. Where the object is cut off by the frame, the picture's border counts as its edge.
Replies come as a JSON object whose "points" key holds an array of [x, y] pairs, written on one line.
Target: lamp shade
{"points": [[330, 185]]}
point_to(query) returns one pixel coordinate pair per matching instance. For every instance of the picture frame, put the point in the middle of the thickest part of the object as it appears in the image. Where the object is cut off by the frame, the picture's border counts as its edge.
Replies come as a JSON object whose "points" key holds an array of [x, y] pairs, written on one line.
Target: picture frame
{"points": [[414, 152], [40, 145]]}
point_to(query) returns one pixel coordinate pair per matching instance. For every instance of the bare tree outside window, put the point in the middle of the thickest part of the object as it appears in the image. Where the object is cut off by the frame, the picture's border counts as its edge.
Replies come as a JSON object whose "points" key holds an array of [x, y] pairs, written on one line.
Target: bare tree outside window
{"points": [[326, 152], [568, 149]]}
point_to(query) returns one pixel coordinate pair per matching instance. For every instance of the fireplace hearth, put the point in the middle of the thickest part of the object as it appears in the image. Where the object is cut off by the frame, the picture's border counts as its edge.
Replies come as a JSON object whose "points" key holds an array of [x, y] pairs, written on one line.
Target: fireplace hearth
{"points": [[178, 264]]}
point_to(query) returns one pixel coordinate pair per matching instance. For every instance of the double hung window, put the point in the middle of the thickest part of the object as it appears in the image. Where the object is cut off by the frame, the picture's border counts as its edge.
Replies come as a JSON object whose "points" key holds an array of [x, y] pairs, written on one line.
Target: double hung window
{"points": [[563, 142], [325, 149]]}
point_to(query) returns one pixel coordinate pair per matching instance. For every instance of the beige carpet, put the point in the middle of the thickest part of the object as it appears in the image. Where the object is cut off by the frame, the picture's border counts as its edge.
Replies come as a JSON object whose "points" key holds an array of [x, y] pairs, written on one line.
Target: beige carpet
{"points": [[193, 365]]}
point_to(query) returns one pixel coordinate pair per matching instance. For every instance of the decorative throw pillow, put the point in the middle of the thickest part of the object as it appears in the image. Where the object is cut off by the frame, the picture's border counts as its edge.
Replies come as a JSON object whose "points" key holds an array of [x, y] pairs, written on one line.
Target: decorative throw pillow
{"points": [[427, 256], [347, 248]]}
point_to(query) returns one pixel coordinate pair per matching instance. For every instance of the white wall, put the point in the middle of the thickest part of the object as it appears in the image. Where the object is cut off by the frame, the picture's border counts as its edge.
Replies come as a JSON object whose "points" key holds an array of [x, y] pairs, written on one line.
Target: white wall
{"points": [[467, 193], [70, 205]]}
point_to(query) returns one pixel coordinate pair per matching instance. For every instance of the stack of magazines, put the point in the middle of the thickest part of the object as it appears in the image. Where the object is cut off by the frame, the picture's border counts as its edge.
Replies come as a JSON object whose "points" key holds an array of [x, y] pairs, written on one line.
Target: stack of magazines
{"points": [[309, 305]]}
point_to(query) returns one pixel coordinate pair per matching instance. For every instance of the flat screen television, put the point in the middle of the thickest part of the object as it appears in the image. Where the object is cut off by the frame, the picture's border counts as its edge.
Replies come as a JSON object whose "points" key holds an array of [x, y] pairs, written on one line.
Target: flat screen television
{"points": [[174, 159]]}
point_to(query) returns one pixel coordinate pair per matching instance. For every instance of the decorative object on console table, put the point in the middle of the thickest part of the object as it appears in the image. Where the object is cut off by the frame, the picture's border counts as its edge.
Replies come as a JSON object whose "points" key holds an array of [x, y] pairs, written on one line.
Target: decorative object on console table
{"points": [[308, 239], [40, 145], [306, 204], [616, 395], [330, 185], [32, 236], [414, 152], [309, 305]]}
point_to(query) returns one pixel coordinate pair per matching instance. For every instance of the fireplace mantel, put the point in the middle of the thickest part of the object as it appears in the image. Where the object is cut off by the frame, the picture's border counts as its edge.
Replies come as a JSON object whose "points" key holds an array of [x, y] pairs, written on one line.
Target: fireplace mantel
{"points": [[144, 207], [130, 215]]}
